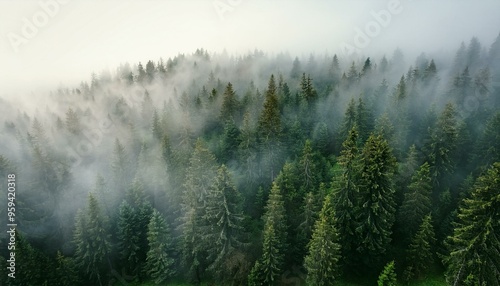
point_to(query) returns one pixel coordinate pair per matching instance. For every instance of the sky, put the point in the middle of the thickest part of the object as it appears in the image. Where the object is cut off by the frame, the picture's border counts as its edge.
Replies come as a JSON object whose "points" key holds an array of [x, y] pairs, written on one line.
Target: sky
{"points": [[49, 43]]}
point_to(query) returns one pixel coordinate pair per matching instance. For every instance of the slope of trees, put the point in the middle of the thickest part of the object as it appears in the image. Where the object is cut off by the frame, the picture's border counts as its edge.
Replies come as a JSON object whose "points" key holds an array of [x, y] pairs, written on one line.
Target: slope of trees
{"points": [[262, 170]]}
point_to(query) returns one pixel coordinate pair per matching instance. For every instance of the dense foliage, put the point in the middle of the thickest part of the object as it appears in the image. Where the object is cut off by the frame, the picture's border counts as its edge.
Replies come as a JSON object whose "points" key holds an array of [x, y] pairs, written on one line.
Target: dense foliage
{"points": [[260, 170]]}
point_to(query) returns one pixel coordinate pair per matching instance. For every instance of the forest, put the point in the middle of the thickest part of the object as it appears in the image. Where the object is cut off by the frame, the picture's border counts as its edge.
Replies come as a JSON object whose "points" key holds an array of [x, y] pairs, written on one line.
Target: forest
{"points": [[259, 169]]}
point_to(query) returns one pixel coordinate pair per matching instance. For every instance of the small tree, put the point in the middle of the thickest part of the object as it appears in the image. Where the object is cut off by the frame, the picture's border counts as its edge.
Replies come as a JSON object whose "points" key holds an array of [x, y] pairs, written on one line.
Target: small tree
{"points": [[388, 276]]}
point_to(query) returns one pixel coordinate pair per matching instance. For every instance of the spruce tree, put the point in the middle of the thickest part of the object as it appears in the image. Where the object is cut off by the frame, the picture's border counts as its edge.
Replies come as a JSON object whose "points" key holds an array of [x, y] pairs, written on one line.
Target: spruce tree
{"points": [[92, 240], [159, 262], [323, 256], [417, 201], [474, 246], [388, 276], [420, 253], [229, 104], [269, 267], [224, 218], [375, 207], [345, 192], [200, 177]]}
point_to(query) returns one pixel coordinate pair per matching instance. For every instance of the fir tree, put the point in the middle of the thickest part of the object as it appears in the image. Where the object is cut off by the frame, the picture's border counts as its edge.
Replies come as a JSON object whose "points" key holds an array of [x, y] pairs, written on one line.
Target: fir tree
{"points": [[345, 192], [92, 240], [420, 255], [224, 222], [375, 207], [417, 201], [474, 246], [159, 262], [269, 267], [388, 276], [323, 257], [229, 104]]}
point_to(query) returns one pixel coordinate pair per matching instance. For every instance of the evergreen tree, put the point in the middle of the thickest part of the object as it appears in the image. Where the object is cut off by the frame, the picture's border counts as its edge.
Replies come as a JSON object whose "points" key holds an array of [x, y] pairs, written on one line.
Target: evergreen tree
{"points": [[375, 207], [270, 130], [269, 267], [224, 223], [121, 167], [229, 104], [200, 176], [92, 240], [443, 143], [474, 246], [417, 201], [420, 255], [345, 192], [159, 262], [66, 271], [388, 276], [323, 257]]}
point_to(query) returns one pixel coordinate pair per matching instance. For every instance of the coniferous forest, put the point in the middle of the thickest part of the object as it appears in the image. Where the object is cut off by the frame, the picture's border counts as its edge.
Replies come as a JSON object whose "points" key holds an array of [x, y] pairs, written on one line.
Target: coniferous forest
{"points": [[258, 169]]}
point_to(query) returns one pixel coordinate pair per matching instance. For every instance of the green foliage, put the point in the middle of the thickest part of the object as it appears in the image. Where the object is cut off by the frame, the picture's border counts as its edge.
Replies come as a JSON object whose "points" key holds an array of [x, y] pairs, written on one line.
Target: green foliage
{"points": [[224, 228], [388, 276], [159, 264], [474, 246], [420, 253], [269, 267], [323, 256], [417, 201], [92, 240], [375, 207], [345, 193]]}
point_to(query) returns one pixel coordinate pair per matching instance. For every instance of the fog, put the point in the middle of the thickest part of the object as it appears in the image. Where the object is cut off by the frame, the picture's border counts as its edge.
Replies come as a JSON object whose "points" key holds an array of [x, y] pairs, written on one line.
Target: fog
{"points": [[82, 79], [78, 37]]}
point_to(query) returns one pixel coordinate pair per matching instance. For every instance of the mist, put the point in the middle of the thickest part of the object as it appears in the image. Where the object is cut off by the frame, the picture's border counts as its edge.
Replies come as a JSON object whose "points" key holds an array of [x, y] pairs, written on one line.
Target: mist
{"points": [[124, 100]]}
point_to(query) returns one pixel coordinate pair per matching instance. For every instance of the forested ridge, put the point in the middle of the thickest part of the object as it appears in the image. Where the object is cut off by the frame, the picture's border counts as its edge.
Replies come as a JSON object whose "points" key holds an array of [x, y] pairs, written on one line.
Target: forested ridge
{"points": [[261, 170]]}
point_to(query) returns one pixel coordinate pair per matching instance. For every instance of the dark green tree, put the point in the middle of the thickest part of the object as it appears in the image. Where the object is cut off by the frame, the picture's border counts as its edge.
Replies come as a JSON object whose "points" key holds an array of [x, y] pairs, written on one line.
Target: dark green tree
{"points": [[345, 192], [474, 246], [376, 206], [92, 241], [269, 267], [159, 261], [417, 201], [420, 253], [224, 219], [322, 260], [229, 104]]}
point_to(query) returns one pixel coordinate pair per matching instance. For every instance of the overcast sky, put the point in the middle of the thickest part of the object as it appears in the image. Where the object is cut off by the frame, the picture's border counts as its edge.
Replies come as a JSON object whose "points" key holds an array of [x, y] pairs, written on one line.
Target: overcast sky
{"points": [[45, 43]]}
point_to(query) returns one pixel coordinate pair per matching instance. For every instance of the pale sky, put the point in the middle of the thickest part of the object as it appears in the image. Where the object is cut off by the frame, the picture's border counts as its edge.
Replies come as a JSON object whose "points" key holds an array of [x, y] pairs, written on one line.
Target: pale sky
{"points": [[46, 43]]}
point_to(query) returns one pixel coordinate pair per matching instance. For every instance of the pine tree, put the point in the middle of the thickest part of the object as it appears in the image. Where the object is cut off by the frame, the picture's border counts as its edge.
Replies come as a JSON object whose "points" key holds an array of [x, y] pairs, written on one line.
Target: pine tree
{"points": [[229, 104], [269, 267], [375, 207], [443, 143], [269, 120], [345, 192], [417, 201], [323, 257], [230, 141], [200, 177], [269, 127], [363, 120], [92, 240], [388, 276], [159, 261], [474, 246], [224, 222], [420, 255], [66, 271]]}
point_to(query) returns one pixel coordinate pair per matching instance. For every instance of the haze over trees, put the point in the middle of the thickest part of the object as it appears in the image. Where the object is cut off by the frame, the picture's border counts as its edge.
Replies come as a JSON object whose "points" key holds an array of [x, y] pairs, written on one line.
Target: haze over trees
{"points": [[262, 170]]}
